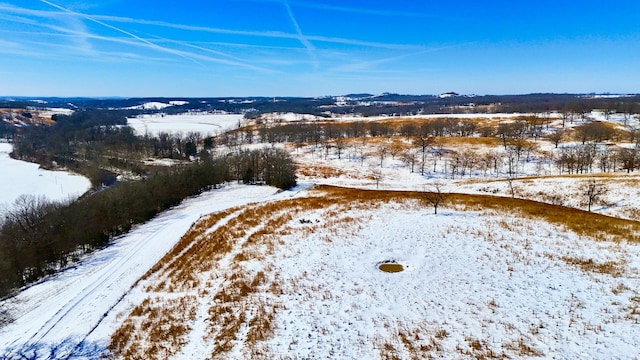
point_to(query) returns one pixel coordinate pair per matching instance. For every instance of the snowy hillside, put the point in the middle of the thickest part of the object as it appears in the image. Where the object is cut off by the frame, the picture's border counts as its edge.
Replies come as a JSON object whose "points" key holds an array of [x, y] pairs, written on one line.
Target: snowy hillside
{"points": [[205, 124], [52, 319], [301, 279], [511, 266]]}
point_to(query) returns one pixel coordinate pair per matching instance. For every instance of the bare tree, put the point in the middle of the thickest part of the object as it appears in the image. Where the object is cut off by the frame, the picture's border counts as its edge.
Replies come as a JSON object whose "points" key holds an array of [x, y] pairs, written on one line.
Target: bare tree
{"points": [[395, 149], [556, 137], [377, 176], [339, 145], [410, 157], [593, 191], [566, 115], [435, 197], [423, 142], [512, 190], [382, 152]]}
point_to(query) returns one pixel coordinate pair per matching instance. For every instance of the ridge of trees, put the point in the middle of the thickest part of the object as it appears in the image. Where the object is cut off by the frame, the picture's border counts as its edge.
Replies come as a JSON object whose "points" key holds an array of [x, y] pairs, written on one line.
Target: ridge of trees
{"points": [[38, 237]]}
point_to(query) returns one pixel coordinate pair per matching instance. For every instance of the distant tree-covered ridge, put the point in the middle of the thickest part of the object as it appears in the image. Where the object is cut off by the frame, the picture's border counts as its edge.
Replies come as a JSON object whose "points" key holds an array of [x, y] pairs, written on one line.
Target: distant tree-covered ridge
{"points": [[363, 104]]}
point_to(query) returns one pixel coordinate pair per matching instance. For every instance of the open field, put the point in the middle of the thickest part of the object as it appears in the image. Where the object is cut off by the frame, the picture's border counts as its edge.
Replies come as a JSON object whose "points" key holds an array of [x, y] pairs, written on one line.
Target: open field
{"points": [[485, 278], [22, 178], [205, 124]]}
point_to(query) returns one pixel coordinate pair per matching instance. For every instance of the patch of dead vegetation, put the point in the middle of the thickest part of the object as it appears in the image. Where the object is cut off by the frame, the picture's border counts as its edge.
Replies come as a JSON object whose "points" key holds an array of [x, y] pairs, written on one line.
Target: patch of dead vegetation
{"points": [[521, 348], [155, 329], [319, 171], [246, 234], [480, 349], [469, 142], [613, 268]]}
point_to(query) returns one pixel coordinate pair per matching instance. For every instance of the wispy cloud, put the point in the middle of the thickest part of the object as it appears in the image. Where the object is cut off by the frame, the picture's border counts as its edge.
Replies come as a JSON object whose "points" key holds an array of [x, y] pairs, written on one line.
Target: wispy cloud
{"points": [[311, 49], [44, 49], [85, 39], [366, 11], [249, 33], [372, 65], [230, 59], [70, 49], [144, 41], [254, 33], [352, 10], [75, 29]]}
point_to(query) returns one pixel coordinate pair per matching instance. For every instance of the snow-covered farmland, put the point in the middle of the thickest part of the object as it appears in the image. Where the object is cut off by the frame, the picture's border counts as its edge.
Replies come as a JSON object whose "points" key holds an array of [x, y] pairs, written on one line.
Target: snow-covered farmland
{"points": [[205, 124], [24, 178]]}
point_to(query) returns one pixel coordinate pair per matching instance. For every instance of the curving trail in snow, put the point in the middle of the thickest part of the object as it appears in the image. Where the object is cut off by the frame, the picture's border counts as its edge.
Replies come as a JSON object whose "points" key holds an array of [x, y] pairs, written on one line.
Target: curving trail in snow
{"points": [[54, 318]]}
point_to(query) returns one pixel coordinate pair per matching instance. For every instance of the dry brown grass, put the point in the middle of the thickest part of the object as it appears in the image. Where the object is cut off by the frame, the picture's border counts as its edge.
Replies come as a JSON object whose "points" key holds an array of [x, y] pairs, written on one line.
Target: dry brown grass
{"points": [[154, 329], [480, 349], [214, 259], [398, 122], [388, 351], [319, 171], [583, 223], [612, 268], [466, 142], [244, 234], [521, 348]]}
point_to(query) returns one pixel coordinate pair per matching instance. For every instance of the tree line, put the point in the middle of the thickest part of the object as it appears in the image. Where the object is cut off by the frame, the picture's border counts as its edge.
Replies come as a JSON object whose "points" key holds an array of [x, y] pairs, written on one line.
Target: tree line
{"points": [[38, 237], [363, 104], [519, 140]]}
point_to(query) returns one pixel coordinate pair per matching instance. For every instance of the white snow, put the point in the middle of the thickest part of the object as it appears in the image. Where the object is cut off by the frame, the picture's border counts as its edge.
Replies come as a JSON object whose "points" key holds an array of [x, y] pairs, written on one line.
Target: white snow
{"points": [[153, 105], [464, 273], [55, 111], [63, 311], [205, 124], [350, 117], [24, 178], [486, 278], [289, 116]]}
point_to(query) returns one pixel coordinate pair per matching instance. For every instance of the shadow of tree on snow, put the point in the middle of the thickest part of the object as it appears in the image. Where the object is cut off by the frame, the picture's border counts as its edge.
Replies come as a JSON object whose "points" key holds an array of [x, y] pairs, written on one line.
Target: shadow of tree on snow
{"points": [[70, 348]]}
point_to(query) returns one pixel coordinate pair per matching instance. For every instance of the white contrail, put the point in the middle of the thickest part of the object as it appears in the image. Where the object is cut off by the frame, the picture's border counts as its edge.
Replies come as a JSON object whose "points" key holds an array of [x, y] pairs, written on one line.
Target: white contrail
{"points": [[267, 34], [311, 49], [149, 43]]}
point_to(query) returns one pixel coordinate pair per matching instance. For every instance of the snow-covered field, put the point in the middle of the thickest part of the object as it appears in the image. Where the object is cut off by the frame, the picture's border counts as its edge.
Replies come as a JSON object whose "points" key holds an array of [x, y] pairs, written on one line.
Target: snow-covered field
{"points": [[205, 124], [55, 318], [299, 278], [24, 178]]}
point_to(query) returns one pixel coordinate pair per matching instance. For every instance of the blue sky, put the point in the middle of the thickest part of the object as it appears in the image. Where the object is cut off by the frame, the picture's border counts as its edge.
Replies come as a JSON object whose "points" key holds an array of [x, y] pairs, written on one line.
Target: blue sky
{"points": [[316, 47]]}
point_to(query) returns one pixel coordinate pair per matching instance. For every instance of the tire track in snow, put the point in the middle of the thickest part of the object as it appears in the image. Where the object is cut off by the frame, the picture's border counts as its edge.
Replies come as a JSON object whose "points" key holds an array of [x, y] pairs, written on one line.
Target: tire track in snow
{"points": [[85, 308], [111, 274]]}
